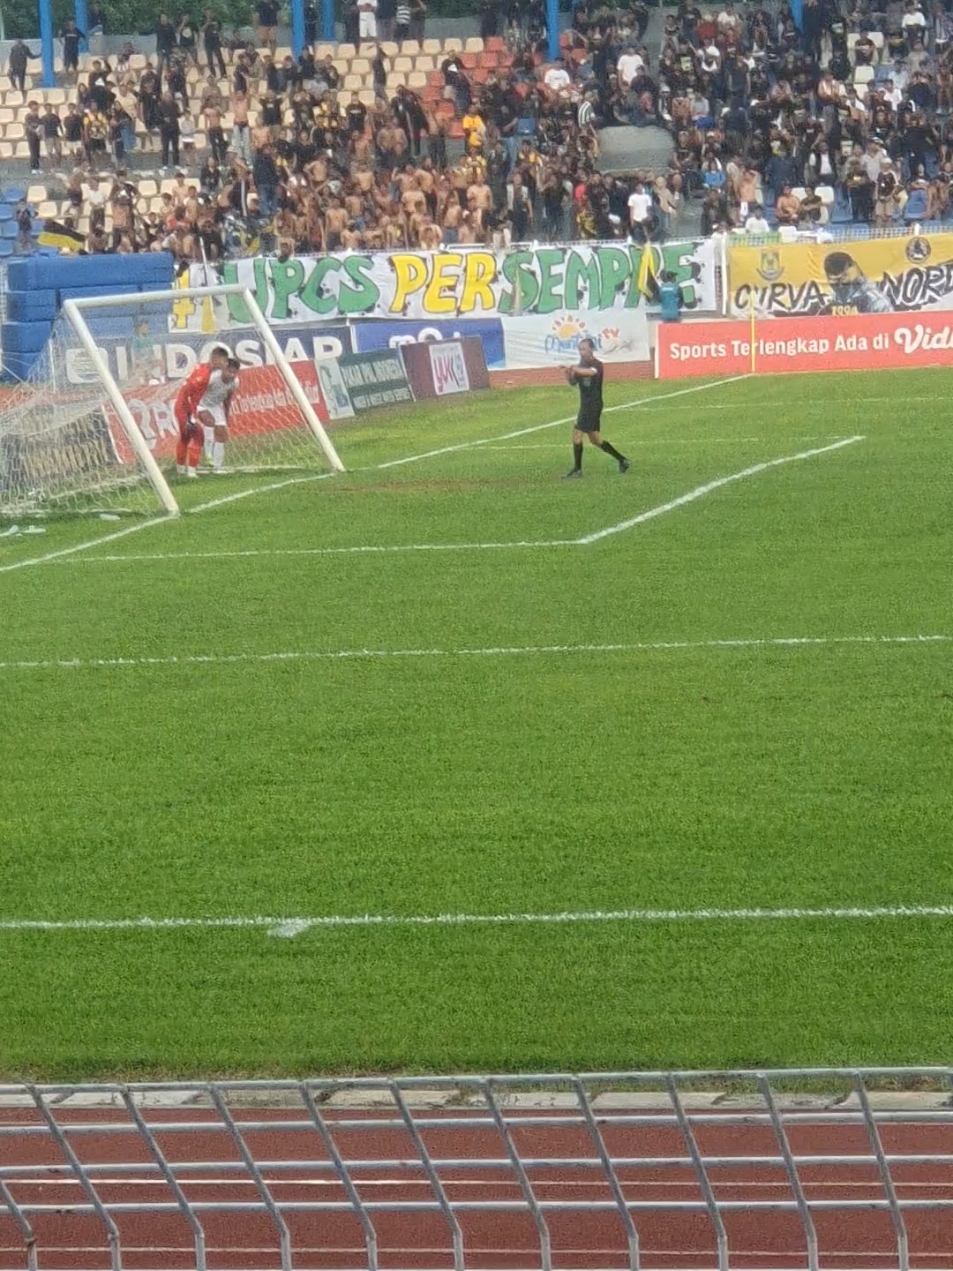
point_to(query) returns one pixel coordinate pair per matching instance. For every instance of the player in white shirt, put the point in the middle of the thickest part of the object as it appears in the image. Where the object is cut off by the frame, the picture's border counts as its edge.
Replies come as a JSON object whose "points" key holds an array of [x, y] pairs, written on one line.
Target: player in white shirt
{"points": [[212, 412]]}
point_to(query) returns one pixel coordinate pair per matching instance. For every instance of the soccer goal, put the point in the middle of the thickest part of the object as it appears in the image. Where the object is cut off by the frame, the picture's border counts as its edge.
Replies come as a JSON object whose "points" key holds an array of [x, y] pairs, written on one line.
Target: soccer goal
{"points": [[93, 428]]}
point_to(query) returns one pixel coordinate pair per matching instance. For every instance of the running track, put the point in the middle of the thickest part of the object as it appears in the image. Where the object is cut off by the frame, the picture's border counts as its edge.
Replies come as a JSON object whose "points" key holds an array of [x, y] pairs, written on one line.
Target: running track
{"points": [[34, 1169]]}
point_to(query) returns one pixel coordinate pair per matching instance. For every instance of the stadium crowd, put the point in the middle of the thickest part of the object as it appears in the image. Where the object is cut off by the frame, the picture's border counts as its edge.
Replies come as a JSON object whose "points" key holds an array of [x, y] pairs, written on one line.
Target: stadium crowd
{"points": [[847, 118]]}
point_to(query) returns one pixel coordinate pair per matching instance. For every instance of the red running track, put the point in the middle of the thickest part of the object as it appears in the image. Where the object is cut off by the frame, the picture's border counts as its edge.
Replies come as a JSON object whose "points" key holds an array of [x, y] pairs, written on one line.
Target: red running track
{"points": [[493, 1240]]}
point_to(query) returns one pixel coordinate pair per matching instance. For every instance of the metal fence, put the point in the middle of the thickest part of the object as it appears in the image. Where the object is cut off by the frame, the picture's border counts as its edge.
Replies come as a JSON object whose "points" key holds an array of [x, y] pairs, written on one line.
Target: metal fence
{"points": [[799, 1168]]}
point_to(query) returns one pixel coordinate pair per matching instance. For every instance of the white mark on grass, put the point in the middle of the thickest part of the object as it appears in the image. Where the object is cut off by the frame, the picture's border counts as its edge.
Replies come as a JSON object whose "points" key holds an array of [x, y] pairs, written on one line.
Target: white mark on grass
{"points": [[278, 485], [257, 489], [493, 651], [702, 490], [690, 497], [555, 423], [291, 927], [63, 552]]}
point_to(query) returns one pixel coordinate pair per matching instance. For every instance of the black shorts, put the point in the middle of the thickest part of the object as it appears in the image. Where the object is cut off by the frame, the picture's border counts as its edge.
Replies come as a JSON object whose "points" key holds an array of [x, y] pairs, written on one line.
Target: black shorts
{"points": [[589, 422]]}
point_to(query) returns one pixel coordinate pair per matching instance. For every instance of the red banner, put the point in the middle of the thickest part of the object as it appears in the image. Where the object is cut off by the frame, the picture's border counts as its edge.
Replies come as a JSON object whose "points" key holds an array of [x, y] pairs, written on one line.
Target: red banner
{"points": [[867, 342], [262, 403]]}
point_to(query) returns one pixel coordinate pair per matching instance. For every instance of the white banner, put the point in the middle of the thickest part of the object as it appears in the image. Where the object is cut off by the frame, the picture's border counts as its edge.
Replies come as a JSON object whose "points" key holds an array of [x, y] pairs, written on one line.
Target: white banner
{"points": [[554, 341], [470, 282]]}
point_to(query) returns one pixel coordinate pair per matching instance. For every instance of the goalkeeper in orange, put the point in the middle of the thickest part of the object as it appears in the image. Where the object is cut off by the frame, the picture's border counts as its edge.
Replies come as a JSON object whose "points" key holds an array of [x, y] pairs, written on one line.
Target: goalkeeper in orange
{"points": [[202, 403]]}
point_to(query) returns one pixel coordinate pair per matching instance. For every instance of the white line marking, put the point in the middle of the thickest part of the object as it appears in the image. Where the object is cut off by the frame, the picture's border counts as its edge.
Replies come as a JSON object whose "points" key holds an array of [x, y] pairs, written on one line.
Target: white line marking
{"points": [[369, 550], [673, 441], [700, 491], [243, 494], [692, 495], [82, 547], [568, 419], [344, 655], [256, 489], [289, 927]]}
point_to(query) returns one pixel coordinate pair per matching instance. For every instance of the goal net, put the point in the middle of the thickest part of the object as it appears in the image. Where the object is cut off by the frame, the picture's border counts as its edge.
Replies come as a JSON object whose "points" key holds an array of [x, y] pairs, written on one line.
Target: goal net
{"points": [[94, 428]]}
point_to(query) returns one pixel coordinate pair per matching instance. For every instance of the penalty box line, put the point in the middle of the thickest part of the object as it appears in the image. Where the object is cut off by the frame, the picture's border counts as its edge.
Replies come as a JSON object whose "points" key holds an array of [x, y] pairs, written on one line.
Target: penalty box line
{"points": [[492, 651], [77, 548], [295, 926], [584, 540]]}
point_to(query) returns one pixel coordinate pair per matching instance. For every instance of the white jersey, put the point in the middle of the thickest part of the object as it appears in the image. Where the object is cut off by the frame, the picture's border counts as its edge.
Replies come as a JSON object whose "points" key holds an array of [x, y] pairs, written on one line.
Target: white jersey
{"points": [[215, 398]]}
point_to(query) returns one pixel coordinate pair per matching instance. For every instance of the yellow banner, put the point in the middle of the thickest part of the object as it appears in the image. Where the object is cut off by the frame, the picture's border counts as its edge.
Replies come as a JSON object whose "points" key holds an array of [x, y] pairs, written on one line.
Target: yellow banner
{"points": [[876, 275]]}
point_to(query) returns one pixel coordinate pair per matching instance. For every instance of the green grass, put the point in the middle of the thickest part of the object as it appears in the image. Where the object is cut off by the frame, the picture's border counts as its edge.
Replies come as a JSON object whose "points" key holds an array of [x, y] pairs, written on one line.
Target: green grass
{"points": [[460, 783]]}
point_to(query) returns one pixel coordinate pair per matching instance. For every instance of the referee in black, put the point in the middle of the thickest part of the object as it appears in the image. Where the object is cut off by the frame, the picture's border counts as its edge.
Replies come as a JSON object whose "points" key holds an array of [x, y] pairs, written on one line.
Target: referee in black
{"points": [[589, 375]]}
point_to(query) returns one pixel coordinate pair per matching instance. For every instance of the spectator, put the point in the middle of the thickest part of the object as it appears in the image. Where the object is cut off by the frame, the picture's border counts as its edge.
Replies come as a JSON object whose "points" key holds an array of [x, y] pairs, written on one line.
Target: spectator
{"points": [[211, 32], [19, 56], [33, 129], [165, 42], [367, 19], [169, 130], [71, 36], [267, 14]]}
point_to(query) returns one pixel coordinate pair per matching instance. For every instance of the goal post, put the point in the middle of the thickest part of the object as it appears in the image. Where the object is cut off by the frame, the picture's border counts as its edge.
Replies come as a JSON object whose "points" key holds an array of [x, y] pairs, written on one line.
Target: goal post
{"points": [[92, 428]]}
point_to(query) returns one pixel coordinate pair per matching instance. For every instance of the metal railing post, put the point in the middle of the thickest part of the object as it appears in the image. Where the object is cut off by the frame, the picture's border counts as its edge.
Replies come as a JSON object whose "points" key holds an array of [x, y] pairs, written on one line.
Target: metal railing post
{"points": [[456, 1232], [344, 1174], [526, 1187], [21, 1220], [168, 1174], [704, 1182], [886, 1179], [618, 1195], [284, 1235], [76, 1165], [807, 1222]]}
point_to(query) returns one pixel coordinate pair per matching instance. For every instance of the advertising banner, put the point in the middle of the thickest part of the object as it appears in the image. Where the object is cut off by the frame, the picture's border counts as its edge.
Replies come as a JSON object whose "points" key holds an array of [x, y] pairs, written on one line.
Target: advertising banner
{"points": [[455, 366], [133, 360], [336, 396], [394, 335], [458, 282], [262, 403], [868, 342], [876, 275], [375, 379], [537, 341]]}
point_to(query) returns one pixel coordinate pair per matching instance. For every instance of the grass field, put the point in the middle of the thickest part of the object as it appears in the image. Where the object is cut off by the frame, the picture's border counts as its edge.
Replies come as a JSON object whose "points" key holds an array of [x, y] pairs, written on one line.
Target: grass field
{"points": [[237, 715]]}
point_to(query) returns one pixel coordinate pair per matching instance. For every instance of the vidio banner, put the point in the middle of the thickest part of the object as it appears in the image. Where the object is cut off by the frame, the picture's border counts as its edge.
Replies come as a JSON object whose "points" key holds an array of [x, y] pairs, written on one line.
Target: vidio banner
{"points": [[461, 282]]}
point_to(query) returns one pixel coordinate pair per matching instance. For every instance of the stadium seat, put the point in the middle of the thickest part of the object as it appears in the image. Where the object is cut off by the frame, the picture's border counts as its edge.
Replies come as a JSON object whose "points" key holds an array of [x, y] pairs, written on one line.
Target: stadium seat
{"points": [[877, 39], [841, 213], [345, 51], [36, 194], [416, 80], [48, 210], [452, 45], [474, 45], [6, 247], [8, 229], [432, 47], [863, 75], [14, 193]]}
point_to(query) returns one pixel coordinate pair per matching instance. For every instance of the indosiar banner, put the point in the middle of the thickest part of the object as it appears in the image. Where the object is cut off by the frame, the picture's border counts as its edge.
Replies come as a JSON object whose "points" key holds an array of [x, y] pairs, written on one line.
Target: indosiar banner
{"points": [[469, 282], [875, 275]]}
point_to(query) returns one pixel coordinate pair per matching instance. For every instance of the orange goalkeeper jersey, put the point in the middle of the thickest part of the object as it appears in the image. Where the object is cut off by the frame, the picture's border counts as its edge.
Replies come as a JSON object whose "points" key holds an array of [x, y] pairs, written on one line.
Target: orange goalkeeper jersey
{"points": [[191, 393]]}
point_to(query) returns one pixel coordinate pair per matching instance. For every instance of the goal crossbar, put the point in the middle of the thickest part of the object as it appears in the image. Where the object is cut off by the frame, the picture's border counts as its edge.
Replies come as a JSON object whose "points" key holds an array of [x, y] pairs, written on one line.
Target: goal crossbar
{"points": [[74, 311]]}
